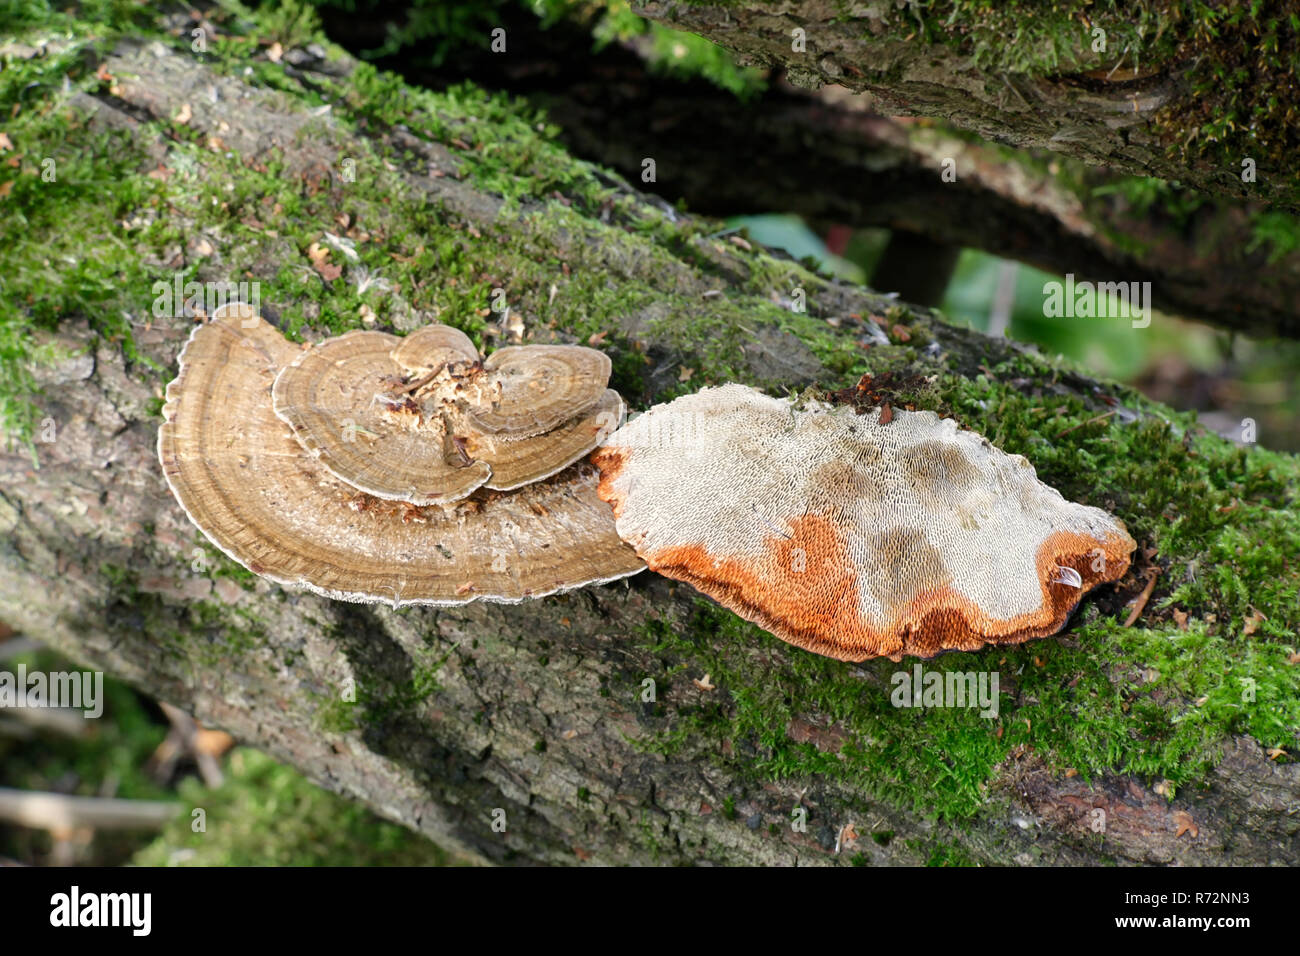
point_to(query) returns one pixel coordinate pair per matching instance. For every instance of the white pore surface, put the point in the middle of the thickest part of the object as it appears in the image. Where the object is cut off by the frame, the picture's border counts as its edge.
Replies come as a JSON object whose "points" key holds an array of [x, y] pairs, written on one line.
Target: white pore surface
{"points": [[920, 501]]}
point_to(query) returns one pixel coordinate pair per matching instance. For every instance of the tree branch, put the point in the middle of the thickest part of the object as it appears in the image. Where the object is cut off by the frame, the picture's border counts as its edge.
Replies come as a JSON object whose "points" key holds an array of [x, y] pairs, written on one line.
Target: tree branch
{"points": [[537, 715]]}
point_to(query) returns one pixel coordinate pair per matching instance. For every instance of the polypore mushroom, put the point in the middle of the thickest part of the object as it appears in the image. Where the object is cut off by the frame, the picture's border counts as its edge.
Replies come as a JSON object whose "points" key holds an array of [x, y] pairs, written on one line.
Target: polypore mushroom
{"points": [[537, 387], [263, 499], [419, 419], [342, 400], [854, 535], [429, 348]]}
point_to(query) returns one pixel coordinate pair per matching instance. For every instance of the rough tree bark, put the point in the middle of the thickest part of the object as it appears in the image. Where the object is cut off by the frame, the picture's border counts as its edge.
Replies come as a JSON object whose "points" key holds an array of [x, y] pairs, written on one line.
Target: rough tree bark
{"points": [[537, 708]]}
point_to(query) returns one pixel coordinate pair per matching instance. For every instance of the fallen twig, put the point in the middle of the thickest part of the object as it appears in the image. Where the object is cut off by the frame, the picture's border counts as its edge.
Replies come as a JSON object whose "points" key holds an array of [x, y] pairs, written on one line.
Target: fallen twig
{"points": [[1141, 601], [59, 811]]}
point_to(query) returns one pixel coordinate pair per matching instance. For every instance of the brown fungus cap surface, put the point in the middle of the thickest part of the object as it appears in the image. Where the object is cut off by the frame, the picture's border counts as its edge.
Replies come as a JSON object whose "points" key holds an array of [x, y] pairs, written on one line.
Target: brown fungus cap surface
{"points": [[429, 348], [849, 537], [342, 400], [264, 500], [399, 417], [538, 387], [516, 462]]}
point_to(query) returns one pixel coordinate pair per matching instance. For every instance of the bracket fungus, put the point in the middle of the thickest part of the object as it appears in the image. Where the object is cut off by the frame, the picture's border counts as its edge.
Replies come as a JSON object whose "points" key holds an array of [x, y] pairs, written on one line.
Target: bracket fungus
{"points": [[854, 535], [264, 499], [422, 420], [535, 388]]}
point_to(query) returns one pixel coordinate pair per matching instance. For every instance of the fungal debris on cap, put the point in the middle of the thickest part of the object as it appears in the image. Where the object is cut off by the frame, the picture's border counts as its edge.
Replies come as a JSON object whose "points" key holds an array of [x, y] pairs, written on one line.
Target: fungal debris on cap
{"points": [[265, 500], [421, 419], [854, 535]]}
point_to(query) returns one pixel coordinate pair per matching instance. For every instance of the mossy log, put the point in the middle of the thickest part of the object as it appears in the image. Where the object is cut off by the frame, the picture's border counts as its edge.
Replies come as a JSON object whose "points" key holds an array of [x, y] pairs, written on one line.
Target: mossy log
{"points": [[529, 734], [1184, 93], [825, 155]]}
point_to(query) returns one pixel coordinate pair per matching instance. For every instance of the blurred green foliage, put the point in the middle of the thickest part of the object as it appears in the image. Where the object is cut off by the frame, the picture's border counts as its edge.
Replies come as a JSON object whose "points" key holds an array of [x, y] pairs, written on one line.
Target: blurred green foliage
{"points": [[264, 814]]}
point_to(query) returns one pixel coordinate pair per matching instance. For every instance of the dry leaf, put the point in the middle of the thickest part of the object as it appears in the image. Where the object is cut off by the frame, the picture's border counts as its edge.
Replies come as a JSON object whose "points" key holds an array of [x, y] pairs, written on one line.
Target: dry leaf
{"points": [[848, 836], [5, 142], [274, 52], [1183, 820], [1180, 618], [185, 115], [213, 742], [704, 683], [1252, 623]]}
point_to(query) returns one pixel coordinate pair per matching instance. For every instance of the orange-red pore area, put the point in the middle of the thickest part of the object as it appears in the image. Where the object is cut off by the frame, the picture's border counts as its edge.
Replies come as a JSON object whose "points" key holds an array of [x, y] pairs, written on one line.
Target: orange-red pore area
{"points": [[805, 588], [610, 461]]}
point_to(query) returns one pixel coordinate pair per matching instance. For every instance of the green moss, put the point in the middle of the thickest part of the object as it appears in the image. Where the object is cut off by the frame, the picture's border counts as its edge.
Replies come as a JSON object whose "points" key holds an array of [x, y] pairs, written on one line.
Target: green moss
{"points": [[939, 853], [1234, 58], [504, 147], [123, 583], [68, 192], [729, 807], [1276, 231], [218, 632], [674, 52], [335, 715], [266, 814], [290, 23]]}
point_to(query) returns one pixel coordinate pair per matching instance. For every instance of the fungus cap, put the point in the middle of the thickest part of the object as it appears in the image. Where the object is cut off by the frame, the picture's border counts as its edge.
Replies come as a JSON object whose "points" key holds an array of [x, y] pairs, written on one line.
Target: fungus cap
{"points": [[340, 398], [517, 461], [264, 500], [349, 402], [848, 537], [428, 348], [538, 387]]}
